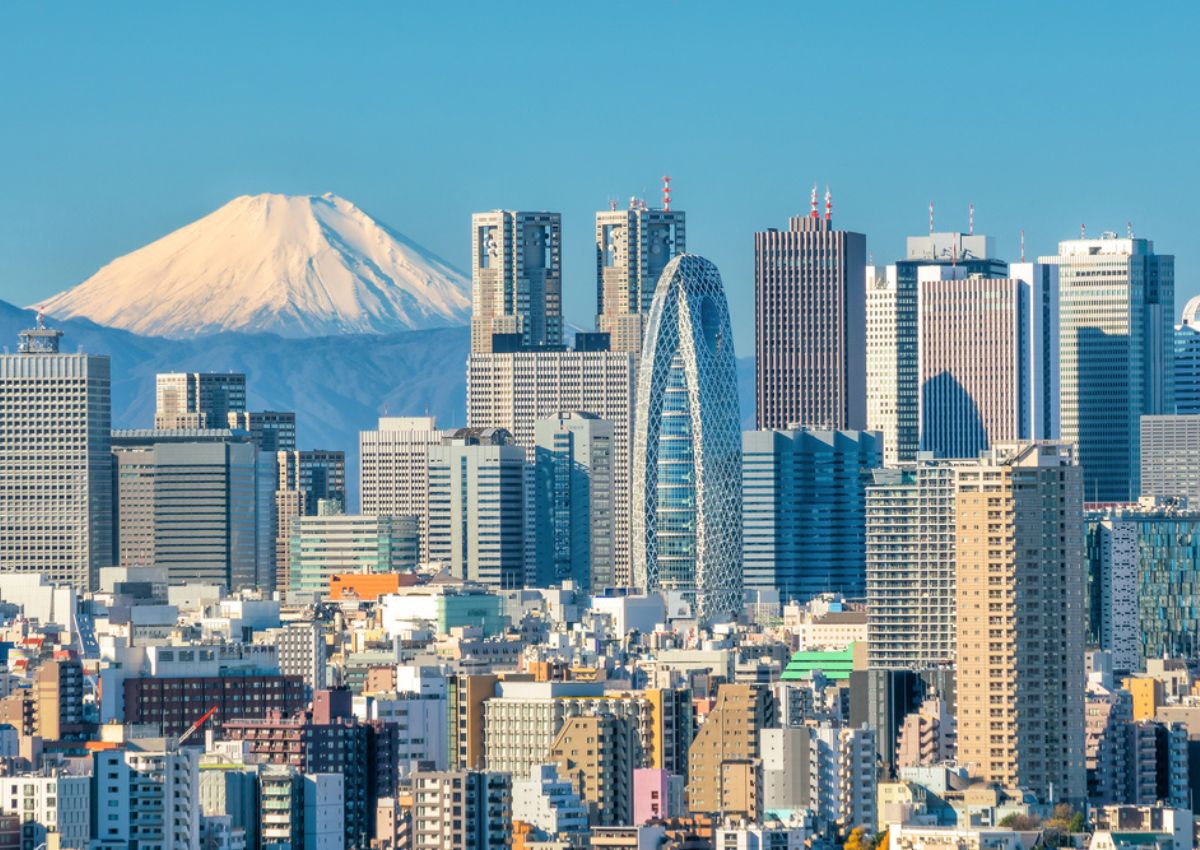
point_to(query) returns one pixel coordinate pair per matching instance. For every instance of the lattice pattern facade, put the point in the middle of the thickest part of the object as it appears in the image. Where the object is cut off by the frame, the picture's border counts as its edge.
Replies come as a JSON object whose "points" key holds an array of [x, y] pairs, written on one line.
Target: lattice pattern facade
{"points": [[687, 513]]}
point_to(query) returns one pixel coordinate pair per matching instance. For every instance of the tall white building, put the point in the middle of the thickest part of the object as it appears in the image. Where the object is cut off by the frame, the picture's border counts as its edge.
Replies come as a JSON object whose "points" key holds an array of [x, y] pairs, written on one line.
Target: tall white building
{"points": [[825, 769], [55, 461], [462, 810], [394, 464], [514, 391], [516, 279], [1117, 347], [146, 796], [481, 508]]}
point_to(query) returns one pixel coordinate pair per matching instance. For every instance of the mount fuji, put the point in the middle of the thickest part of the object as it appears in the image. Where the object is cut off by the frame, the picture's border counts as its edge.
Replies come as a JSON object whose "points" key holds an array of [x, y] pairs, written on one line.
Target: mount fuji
{"points": [[291, 265]]}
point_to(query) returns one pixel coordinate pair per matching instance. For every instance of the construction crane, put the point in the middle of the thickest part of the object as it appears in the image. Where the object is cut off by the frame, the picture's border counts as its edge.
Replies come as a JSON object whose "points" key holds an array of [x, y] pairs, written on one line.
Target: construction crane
{"points": [[195, 727]]}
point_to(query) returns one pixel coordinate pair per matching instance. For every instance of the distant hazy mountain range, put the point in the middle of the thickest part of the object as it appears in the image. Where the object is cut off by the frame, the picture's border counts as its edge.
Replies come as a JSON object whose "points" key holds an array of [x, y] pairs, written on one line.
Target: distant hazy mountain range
{"points": [[328, 312]]}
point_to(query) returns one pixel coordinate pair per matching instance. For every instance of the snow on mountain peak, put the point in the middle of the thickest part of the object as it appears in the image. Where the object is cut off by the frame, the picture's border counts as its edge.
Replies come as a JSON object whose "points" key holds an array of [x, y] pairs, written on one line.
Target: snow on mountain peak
{"points": [[293, 265]]}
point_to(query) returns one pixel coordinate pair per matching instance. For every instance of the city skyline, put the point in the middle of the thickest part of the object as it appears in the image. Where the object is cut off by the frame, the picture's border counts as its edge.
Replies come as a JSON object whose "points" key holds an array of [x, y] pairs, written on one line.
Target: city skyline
{"points": [[166, 147]]}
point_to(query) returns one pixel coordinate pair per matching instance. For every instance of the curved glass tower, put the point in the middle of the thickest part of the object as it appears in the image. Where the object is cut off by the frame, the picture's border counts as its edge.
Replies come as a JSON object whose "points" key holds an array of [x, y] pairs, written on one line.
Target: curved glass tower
{"points": [[687, 514]]}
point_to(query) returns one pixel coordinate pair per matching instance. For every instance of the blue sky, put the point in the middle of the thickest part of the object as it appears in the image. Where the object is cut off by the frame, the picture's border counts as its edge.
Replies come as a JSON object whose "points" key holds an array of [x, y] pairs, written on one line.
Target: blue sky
{"points": [[121, 122]]}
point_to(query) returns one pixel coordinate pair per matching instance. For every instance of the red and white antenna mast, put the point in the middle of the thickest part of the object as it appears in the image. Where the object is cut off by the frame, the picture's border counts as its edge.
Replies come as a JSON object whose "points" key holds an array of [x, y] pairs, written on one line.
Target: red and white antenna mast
{"points": [[970, 219], [813, 202], [931, 218], [666, 193], [828, 204]]}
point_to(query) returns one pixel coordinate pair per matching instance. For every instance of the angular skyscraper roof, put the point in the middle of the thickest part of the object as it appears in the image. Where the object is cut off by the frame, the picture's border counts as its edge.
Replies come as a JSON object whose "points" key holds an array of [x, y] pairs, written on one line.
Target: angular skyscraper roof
{"points": [[687, 516]]}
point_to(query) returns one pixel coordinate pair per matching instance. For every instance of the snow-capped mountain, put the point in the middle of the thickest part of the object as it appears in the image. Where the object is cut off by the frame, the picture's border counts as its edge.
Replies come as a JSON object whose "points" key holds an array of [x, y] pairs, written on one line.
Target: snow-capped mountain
{"points": [[297, 266]]}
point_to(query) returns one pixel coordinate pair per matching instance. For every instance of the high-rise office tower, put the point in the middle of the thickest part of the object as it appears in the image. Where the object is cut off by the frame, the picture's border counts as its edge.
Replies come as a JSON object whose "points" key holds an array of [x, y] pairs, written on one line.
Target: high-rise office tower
{"points": [[190, 500], [1170, 458], [633, 246], [332, 544], [988, 357], [574, 500], [910, 565], [305, 480], [1021, 572], [198, 399], [810, 324], [516, 278], [55, 461], [394, 464], [480, 508], [273, 430], [1187, 360], [893, 353], [803, 511], [1116, 339], [515, 390], [687, 517]]}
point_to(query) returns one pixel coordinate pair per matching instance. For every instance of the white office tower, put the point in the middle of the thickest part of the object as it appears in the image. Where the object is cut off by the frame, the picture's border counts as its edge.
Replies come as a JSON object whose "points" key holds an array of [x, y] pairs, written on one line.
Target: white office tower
{"points": [[480, 508], [198, 399], [55, 461], [1117, 344], [883, 361], [516, 279], [633, 246], [687, 488], [910, 565], [515, 390], [394, 463]]}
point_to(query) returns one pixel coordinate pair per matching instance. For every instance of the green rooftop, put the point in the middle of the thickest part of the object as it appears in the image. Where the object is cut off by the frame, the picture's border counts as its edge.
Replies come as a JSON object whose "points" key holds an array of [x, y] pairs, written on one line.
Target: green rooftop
{"points": [[835, 665]]}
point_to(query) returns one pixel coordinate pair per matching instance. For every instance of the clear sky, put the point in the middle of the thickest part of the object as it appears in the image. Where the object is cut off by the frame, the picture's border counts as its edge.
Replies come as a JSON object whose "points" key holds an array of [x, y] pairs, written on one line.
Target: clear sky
{"points": [[122, 121]]}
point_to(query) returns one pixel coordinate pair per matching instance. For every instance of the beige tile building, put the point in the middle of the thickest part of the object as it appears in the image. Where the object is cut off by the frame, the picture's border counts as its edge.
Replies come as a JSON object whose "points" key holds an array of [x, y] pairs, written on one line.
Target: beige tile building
{"points": [[730, 734], [1021, 619]]}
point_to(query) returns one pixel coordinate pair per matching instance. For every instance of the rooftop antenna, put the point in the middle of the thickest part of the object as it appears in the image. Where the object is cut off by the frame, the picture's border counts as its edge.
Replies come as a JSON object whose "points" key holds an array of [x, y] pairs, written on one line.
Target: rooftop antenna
{"points": [[828, 204], [931, 218], [1083, 231], [1022, 244], [666, 193], [632, 202], [813, 202], [1129, 229], [970, 219], [612, 204], [643, 203]]}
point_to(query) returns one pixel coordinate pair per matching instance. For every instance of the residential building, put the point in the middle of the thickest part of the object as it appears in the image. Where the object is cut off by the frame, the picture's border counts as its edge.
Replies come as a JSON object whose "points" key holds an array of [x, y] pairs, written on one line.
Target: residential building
{"points": [[546, 802], [516, 278], [633, 246], [730, 733], [462, 810], [145, 794], [1116, 342], [810, 324], [302, 652], [824, 769], [574, 500], [480, 508], [515, 390], [910, 565], [804, 511], [198, 400], [893, 349], [394, 469], [597, 753], [687, 520], [55, 461], [1019, 561], [51, 802]]}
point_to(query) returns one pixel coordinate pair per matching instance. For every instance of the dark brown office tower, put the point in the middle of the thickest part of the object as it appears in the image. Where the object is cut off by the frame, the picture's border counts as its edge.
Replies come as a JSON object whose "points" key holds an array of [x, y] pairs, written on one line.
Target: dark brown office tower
{"points": [[810, 324]]}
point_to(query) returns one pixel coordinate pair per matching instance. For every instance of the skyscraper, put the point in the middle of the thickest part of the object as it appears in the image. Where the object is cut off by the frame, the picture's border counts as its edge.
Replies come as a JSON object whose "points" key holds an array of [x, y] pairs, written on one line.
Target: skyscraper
{"points": [[893, 353], [516, 278], [198, 399], [1187, 360], [1170, 458], [394, 460], [633, 246], [515, 390], [574, 500], [810, 324], [803, 512], [55, 461], [910, 565], [1116, 339], [687, 518], [273, 430], [1020, 564], [988, 357], [480, 508]]}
